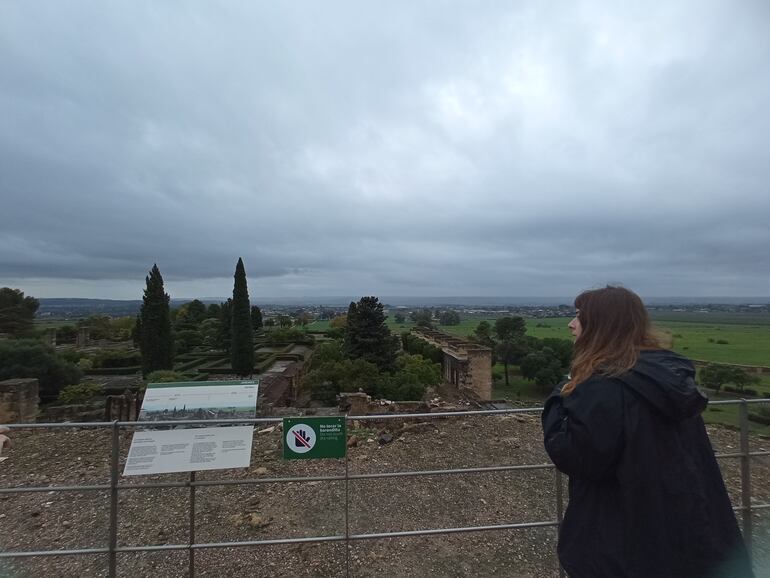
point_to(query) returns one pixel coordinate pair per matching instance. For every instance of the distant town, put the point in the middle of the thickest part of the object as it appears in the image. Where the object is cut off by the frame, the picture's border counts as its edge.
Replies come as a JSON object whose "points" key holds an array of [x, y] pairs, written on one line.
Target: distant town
{"points": [[75, 308]]}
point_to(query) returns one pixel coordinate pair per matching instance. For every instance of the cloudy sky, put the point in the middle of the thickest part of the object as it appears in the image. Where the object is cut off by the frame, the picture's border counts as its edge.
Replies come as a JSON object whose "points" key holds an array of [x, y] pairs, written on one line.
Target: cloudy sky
{"points": [[388, 148]]}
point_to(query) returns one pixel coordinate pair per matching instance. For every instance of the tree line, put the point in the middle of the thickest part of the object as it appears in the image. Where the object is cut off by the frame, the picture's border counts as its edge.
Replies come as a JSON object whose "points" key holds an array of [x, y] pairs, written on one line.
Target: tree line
{"points": [[229, 326], [363, 355]]}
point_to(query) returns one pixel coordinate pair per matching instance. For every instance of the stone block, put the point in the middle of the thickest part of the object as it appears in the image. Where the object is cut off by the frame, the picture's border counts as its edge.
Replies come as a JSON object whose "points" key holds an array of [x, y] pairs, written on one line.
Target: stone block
{"points": [[18, 400]]}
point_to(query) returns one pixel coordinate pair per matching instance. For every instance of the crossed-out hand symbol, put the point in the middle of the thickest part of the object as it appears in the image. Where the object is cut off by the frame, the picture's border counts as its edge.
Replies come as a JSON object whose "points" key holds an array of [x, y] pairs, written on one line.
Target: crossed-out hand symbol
{"points": [[300, 433]]}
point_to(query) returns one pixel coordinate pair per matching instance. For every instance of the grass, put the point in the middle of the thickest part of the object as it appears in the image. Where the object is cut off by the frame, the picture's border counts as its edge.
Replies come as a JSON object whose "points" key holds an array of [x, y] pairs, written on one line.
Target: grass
{"points": [[518, 388], [55, 323], [745, 344], [728, 415]]}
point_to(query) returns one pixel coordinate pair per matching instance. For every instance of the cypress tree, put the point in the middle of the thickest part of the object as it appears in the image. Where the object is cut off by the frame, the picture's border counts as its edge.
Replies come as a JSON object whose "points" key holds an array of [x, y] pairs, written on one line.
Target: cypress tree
{"points": [[242, 334], [225, 321], [256, 318], [156, 342]]}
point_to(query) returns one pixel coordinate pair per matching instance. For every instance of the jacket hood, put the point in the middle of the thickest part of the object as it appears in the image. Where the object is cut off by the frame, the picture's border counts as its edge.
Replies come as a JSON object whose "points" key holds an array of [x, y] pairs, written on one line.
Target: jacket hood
{"points": [[667, 381]]}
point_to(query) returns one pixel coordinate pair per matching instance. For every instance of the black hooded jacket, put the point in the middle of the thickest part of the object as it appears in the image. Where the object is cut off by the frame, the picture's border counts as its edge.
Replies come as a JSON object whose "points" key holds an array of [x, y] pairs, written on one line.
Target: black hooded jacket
{"points": [[646, 495]]}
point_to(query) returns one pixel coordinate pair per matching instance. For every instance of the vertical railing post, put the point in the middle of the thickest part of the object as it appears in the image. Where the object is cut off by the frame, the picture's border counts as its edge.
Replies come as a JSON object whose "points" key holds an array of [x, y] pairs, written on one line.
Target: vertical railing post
{"points": [[347, 508], [559, 511], [113, 532], [745, 475], [192, 525]]}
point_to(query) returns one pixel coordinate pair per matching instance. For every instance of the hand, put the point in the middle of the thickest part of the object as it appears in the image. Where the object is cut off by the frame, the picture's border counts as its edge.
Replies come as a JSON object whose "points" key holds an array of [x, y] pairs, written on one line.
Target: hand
{"points": [[5, 441], [301, 439]]}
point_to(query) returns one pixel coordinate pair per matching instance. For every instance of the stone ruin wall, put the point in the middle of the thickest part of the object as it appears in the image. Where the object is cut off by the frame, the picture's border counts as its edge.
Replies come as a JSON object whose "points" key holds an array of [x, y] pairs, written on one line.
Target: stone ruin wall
{"points": [[18, 400], [466, 365], [479, 372]]}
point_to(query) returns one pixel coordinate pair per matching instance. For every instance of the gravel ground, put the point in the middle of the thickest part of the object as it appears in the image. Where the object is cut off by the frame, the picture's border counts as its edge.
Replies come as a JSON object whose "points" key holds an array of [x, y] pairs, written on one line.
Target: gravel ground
{"points": [[47, 520]]}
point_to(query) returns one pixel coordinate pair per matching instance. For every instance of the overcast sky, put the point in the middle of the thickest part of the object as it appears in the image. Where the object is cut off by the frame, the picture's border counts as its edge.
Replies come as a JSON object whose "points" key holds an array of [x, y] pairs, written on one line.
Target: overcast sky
{"points": [[386, 148]]}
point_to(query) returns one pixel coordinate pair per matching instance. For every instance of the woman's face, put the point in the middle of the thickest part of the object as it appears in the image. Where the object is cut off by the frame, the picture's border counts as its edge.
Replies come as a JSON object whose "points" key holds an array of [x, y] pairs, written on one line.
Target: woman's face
{"points": [[574, 326]]}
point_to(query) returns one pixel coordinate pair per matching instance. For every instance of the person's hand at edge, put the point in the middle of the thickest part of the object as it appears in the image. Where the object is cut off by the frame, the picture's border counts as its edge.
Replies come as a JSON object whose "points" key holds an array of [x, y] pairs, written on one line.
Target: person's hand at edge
{"points": [[5, 441]]}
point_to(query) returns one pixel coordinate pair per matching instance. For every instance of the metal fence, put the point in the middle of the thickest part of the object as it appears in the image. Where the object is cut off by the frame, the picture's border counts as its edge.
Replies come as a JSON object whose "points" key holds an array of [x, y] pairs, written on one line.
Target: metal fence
{"points": [[112, 548]]}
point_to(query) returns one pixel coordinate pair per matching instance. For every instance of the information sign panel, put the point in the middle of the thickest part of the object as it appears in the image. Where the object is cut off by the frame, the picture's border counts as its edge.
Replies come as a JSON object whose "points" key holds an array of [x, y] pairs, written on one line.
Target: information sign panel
{"points": [[314, 437], [187, 448]]}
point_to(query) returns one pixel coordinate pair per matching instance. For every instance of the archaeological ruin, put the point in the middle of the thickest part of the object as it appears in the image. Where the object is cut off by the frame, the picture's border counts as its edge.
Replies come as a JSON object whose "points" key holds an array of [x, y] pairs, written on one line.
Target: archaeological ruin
{"points": [[466, 365]]}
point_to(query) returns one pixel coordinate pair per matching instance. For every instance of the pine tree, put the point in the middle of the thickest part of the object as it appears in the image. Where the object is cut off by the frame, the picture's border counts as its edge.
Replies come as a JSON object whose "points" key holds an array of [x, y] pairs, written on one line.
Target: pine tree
{"points": [[367, 336], [242, 334], [154, 326], [16, 312]]}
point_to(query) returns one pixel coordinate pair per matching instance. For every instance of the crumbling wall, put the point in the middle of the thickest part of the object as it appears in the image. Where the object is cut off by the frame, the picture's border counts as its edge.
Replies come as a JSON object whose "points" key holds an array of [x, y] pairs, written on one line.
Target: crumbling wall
{"points": [[18, 400], [466, 365], [479, 372]]}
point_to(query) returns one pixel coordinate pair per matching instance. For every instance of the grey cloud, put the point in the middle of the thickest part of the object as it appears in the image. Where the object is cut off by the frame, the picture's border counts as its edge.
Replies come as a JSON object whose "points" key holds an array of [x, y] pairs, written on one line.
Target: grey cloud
{"points": [[469, 149]]}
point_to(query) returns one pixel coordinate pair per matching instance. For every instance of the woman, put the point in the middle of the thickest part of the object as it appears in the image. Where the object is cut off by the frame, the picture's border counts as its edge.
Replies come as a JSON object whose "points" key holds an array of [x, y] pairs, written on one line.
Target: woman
{"points": [[646, 495]]}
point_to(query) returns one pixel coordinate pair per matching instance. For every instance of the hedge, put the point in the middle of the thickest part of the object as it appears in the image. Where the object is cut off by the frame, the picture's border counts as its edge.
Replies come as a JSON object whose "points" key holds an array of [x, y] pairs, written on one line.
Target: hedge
{"points": [[114, 370]]}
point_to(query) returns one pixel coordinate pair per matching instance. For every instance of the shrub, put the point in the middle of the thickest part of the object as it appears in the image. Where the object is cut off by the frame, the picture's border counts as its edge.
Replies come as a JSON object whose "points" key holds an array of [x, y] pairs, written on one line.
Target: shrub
{"points": [[80, 393], [114, 370], [31, 358], [722, 342], [114, 358], [165, 376], [744, 391], [286, 335], [70, 355]]}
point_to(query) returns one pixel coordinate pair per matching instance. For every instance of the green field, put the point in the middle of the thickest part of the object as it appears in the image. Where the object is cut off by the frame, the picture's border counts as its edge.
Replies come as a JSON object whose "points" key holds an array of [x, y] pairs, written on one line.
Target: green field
{"points": [[747, 343]]}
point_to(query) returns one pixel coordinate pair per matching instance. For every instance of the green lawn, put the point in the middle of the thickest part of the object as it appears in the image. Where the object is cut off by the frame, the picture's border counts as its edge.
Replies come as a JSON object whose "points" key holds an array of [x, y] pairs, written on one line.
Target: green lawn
{"points": [[54, 323], [728, 415], [745, 344], [518, 388], [320, 325]]}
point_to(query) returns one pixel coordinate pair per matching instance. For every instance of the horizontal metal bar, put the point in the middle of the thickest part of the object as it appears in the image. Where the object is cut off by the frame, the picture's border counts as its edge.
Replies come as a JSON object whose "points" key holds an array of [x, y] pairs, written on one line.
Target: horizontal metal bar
{"points": [[404, 474], [29, 554], [59, 425], [379, 416], [245, 482], [375, 536], [208, 545], [252, 481], [758, 454], [312, 539], [454, 530], [134, 424], [23, 490], [408, 474], [737, 401]]}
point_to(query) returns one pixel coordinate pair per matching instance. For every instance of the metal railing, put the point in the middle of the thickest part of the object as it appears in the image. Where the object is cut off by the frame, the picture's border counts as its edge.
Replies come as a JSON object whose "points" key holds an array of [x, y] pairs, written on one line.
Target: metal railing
{"points": [[112, 549]]}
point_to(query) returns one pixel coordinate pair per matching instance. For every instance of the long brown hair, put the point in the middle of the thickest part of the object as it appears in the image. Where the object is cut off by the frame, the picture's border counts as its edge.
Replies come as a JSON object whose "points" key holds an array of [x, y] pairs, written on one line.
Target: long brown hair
{"points": [[615, 328]]}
